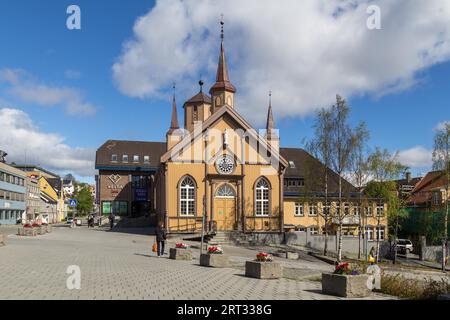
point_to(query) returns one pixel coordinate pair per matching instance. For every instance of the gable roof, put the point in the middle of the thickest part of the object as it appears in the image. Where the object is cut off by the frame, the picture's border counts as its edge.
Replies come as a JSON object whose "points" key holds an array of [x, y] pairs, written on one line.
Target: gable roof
{"points": [[422, 191], [210, 121], [305, 164], [153, 149]]}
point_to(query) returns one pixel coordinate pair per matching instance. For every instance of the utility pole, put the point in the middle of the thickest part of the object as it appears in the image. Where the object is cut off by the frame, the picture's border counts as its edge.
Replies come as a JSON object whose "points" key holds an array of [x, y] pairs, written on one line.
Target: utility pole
{"points": [[203, 224]]}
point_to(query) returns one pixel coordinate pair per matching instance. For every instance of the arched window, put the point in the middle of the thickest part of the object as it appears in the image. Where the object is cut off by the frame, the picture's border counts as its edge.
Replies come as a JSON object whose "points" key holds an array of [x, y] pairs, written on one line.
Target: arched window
{"points": [[225, 191], [262, 198], [187, 197]]}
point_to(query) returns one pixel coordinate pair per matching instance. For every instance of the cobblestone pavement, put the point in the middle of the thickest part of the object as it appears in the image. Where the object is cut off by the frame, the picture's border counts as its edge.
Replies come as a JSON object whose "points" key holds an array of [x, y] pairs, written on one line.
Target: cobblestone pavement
{"points": [[121, 266]]}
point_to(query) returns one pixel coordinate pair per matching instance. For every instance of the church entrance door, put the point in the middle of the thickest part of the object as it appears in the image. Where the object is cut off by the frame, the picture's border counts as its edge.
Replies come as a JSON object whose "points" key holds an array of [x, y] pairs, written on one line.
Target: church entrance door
{"points": [[225, 208]]}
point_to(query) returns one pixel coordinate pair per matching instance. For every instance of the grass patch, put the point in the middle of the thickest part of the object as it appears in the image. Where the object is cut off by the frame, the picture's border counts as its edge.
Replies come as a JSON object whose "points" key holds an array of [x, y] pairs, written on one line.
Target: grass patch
{"points": [[397, 285]]}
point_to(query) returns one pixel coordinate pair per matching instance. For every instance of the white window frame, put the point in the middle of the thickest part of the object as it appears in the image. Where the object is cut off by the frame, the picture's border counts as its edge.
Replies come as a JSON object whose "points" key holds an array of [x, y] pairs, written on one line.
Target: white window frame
{"points": [[299, 210], [380, 232], [380, 208], [125, 158], [313, 212], [136, 158], [261, 186], [187, 184], [314, 231], [114, 158]]}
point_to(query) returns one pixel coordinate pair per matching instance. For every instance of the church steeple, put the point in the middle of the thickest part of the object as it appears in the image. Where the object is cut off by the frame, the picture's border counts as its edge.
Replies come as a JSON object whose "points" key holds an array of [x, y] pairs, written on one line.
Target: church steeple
{"points": [[174, 122], [174, 134], [271, 135], [222, 92]]}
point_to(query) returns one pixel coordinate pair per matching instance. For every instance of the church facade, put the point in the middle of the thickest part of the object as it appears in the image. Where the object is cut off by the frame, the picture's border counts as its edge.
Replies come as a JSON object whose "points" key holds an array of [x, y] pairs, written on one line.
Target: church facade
{"points": [[217, 170]]}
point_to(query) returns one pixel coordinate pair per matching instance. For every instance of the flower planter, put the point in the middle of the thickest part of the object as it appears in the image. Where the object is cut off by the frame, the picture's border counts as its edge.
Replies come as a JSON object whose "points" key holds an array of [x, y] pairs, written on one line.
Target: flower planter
{"points": [[347, 286], [27, 232], [214, 260], [180, 254], [263, 270]]}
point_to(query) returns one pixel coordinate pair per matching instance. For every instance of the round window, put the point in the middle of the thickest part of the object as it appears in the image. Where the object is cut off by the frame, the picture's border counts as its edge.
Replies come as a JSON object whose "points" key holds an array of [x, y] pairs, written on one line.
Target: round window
{"points": [[225, 164]]}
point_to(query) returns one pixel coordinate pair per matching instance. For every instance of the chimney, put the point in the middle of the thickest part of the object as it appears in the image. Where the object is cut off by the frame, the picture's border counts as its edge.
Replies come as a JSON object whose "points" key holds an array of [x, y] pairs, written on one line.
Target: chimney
{"points": [[3, 154], [408, 177]]}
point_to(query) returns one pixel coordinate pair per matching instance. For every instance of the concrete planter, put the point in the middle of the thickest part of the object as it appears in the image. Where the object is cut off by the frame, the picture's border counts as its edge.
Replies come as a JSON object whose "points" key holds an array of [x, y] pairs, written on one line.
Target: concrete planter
{"points": [[31, 232], [263, 270], [49, 228], [345, 285], [214, 260], [40, 230], [180, 254]]}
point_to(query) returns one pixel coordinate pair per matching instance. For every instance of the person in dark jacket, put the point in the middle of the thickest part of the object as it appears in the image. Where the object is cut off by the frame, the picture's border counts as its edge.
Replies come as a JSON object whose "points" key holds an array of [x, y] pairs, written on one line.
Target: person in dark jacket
{"points": [[111, 220], [161, 236]]}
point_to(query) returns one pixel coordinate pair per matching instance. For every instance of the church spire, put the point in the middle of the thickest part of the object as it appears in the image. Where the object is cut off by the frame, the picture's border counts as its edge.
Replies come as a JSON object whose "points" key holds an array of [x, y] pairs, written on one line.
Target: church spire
{"points": [[270, 133], [174, 122], [222, 89]]}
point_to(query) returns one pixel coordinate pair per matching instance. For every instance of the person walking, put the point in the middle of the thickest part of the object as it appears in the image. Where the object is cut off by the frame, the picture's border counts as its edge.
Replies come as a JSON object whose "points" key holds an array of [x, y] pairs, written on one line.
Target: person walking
{"points": [[161, 236], [111, 220]]}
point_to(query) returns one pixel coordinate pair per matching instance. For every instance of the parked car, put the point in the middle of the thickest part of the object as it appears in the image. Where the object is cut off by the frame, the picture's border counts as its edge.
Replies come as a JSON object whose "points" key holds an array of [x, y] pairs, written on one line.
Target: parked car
{"points": [[69, 220], [404, 245]]}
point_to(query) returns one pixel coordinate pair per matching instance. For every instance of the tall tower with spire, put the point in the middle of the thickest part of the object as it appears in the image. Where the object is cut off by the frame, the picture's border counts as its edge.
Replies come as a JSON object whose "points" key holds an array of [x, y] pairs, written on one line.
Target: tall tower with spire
{"points": [[174, 134], [271, 134], [222, 92]]}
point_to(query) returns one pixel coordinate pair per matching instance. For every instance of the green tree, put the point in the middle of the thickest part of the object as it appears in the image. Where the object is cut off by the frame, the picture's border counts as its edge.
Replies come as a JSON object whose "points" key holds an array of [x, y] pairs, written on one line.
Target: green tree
{"points": [[441, 162], [344, 143], [320, 147], [384, 168], [85, 200]]}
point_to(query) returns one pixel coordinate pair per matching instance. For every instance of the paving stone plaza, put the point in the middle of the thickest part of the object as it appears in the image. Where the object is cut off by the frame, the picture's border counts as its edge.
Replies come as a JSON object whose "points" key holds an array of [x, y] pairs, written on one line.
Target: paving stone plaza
{"points": [[120, 265]]}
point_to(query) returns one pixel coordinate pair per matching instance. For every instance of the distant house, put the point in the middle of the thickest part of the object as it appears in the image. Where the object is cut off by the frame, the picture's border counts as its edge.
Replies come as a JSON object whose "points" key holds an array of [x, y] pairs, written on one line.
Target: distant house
{"points": [[430, 194]]}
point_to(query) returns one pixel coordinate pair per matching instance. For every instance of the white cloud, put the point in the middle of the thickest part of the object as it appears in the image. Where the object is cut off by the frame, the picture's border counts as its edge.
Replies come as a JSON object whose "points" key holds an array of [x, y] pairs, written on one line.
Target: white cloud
{"points": [[417, 157], [24, 87], [21, 139], [304, 51]]}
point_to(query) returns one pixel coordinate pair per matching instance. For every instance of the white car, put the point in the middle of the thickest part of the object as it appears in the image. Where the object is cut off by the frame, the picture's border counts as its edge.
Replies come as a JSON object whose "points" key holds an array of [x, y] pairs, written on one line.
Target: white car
{"points": [[69, 220], [405, 245]]}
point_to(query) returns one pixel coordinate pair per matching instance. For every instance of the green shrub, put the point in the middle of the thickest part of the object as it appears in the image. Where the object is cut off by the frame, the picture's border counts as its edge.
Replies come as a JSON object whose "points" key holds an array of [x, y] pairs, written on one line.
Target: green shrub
{"points": [[397, 285]]}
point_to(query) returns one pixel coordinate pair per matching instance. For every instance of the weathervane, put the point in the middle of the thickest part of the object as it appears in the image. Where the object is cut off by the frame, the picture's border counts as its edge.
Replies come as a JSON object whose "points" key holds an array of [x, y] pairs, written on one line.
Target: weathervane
{"points": [[222, 24]]}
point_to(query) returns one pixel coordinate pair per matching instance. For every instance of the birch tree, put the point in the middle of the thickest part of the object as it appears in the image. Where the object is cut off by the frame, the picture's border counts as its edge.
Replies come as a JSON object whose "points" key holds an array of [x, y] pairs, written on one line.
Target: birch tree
{"points": [[441, 162], [320, 147], [343, 141]]}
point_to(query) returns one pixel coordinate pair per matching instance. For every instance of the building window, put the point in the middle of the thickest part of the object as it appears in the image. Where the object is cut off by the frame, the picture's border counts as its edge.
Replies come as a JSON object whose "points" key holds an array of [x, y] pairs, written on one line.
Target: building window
{"points": [[436, 198], [326, 209], [380, 211], [292, 164], [225, 191], [262, 197], [187, 197], [106, 207], [125, 158], [299, 209], [2, 176], [114, 158], [314, 230], [135, 158], [357, 210], [146, 159], [368, 211], [312, 210], [346, 209], [195, 114], [369, 233], [380, 233]]}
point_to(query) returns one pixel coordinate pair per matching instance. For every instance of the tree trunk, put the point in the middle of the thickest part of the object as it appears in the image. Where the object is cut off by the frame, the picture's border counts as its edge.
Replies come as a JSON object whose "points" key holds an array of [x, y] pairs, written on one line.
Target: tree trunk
{"points": [[340, 219], [325, 246]]}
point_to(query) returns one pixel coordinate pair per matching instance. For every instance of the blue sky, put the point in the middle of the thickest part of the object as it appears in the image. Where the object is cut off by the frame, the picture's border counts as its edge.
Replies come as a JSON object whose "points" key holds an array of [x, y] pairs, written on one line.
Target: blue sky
{"points": [[40, 50]]}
